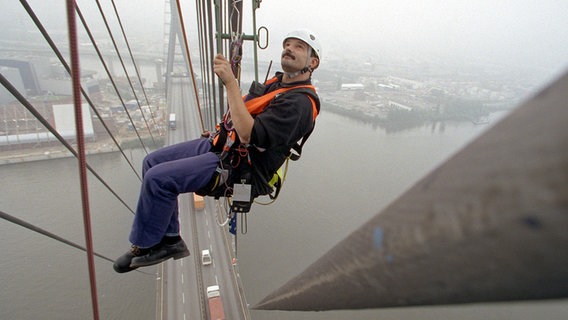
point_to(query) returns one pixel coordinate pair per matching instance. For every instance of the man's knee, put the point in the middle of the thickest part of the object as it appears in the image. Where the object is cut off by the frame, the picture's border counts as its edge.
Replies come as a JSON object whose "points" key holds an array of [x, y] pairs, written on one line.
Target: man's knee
{"points": [[148, 162], [158, 183]]}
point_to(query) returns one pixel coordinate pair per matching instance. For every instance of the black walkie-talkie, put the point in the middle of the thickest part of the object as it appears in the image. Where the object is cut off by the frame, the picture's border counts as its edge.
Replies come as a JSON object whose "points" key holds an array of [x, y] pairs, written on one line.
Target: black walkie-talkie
{"points": [[257, 89]]}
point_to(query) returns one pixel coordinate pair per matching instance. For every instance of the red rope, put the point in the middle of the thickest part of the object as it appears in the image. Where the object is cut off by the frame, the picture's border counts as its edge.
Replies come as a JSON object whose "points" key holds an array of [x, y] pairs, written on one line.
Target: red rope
{"points": [[76, 81], [185, 42]]}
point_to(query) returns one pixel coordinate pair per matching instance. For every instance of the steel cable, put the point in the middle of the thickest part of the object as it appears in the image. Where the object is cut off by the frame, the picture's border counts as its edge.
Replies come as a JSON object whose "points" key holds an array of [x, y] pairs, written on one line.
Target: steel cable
{"points": [[65, 65], [53, 236], [82, 160], [186, 47], [119, 56], [95, 46], [53, 131], [135, 66]]}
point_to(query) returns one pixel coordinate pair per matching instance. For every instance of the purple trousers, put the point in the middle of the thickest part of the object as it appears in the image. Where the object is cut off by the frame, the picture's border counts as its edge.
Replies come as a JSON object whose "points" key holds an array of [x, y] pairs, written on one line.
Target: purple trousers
{"points": [[168, 172]]}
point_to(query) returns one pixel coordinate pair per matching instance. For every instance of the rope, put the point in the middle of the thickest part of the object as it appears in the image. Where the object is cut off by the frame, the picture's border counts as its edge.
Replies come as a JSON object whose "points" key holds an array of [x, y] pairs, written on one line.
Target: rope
{"points": [[205, 63], [202, 62], [206, 47], [220, 210], [76, 84], [185, 41], [77, 90], [80, 155], [285, 172], [217, 107]]}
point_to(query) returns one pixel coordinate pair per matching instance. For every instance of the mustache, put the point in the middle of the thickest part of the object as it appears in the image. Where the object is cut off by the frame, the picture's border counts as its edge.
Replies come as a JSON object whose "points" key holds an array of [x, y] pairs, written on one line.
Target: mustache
{"points": [[288, 54]]}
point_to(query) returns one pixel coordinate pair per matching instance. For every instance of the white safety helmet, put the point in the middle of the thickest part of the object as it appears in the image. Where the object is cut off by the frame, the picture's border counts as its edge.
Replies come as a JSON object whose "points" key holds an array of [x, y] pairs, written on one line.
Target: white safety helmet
{"points": [[308, 37]]}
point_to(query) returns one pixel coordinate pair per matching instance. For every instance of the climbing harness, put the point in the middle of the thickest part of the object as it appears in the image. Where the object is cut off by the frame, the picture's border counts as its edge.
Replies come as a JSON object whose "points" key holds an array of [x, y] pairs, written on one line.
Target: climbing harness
{"points": [[233, 177]]}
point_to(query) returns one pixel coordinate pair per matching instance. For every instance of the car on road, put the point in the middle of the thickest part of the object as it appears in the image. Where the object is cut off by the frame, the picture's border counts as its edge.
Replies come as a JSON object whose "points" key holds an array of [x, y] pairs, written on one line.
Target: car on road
{"points": [[205, 257]]}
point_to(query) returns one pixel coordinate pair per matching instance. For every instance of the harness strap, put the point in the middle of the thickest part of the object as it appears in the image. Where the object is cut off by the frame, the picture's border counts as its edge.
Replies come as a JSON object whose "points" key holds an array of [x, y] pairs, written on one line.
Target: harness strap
{"points": [[224, 139], [298, 146], [258, 104]]}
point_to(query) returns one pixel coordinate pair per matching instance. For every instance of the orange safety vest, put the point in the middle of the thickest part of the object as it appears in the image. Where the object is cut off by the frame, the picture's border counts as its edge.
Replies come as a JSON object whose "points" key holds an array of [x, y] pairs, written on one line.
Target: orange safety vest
{"points": [[255, 106], [258, 104]]}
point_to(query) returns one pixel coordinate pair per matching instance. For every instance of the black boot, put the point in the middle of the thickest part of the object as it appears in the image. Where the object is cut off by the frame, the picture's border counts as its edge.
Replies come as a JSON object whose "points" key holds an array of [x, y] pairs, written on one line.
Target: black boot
{"points": [[122, 264], [161, 252]]}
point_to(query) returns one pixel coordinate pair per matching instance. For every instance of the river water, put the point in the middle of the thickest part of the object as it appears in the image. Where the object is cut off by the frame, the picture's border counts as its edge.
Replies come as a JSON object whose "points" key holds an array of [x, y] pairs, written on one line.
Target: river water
{"points": [[349, 171]]}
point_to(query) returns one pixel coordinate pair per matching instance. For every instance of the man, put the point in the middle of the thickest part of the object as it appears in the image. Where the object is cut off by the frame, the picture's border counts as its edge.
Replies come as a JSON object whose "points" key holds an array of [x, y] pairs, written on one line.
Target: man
{"points": [[262, 138]]}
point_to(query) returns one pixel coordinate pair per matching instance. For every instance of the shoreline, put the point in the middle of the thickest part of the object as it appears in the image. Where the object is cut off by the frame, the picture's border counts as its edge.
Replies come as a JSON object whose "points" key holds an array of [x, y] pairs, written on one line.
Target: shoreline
{"points": [[48, 154], [31, 154]]}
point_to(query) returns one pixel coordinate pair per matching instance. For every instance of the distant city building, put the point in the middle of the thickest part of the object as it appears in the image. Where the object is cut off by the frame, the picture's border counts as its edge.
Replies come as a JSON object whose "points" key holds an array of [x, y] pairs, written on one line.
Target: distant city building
{"points": [[23, 131], [38, 77], [26, 73], [14, 77]]}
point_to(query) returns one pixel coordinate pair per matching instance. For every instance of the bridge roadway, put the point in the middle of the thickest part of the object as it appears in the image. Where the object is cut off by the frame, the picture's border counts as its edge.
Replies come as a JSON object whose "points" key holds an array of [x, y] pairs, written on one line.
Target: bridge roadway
{"points": [[181, 284]]}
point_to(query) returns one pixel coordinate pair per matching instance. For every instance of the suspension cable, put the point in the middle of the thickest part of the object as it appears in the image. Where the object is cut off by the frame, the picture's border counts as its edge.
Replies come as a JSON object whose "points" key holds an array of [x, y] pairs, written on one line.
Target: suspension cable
{"points": [[65, 65], [51, 235], [217, 104], [207, 44], [185, 41], [76, 85], [46, 233], [202, 61], [53, 131], [219, 49], [125, 72], [111, 78], [133, 62]]}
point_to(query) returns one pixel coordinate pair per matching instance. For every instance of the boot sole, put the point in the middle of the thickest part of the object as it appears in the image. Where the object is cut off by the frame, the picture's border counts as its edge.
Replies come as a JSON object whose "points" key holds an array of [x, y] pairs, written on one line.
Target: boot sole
{"points": [[176, 256], [124, 270]]}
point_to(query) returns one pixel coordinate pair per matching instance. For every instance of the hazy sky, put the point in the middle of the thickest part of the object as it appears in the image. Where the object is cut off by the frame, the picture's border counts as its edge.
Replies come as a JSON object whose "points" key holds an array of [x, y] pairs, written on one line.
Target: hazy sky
{"points": [[526, 33], [521, 33], [507, 31]]}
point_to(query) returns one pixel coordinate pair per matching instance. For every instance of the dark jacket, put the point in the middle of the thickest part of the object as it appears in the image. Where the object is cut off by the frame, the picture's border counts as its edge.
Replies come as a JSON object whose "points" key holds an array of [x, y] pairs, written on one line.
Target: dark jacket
{"points": [[276, 130]]}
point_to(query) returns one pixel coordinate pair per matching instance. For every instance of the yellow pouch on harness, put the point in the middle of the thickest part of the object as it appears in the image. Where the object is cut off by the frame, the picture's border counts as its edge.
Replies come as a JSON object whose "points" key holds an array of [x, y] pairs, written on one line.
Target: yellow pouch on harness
{"points": [[277, 178]]}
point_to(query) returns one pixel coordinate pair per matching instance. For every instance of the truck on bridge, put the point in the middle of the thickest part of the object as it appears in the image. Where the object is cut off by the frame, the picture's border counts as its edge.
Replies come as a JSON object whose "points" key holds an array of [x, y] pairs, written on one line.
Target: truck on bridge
{"points": [[172, 121], [216, 311]]}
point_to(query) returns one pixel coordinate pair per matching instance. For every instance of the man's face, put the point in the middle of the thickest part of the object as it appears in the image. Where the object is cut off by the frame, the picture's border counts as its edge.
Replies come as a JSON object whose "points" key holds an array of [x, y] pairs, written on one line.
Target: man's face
{"points": [[294, 55]]}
